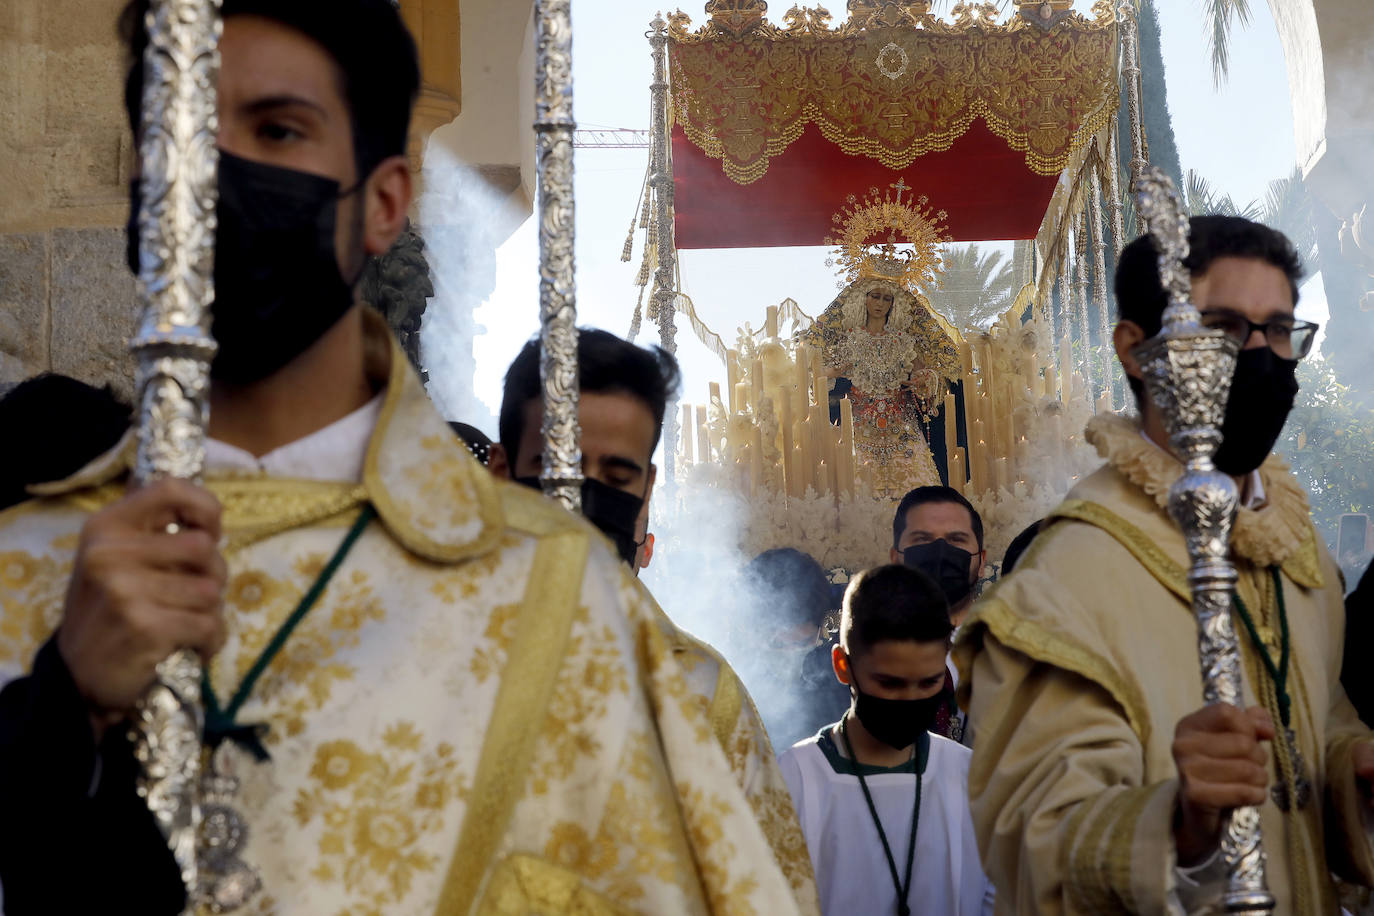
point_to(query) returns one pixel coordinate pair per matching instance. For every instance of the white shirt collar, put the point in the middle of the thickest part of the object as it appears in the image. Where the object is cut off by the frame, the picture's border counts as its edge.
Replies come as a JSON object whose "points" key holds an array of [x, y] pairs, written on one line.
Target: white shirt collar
{"points": [[336, 452], [1256, 498]]}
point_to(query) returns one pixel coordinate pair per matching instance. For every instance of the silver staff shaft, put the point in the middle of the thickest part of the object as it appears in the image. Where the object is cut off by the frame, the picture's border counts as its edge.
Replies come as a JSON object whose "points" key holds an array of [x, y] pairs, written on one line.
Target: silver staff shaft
{"points": [[553, 127], [176, 229], [661, 181], [1187, 370]]}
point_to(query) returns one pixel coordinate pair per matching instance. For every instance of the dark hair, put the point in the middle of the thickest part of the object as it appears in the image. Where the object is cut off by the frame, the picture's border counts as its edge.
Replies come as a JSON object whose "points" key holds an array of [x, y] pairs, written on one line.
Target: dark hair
{"points": [[791, 585], [368, 40], [606, 364], [1141, 299], [893, 603], [90, 422], [478, 442], [924, 495], [1018, 546]]}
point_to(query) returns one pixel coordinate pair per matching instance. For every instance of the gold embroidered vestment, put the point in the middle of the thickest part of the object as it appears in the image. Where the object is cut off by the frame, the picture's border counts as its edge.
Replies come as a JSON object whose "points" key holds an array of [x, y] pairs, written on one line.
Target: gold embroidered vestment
{"points": [[1077, 667], [484, 713]]}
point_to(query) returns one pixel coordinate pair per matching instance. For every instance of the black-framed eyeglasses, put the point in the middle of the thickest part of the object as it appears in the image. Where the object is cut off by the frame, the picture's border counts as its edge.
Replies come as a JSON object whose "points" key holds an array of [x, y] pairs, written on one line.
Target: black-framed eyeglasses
{"points": [[1287, 337]]}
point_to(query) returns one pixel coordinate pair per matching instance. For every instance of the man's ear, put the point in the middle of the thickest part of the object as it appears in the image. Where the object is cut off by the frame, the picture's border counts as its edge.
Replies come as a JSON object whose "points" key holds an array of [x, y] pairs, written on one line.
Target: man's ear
{"points": [[895, 556], [646, 552], [498, 462], [1126, 336], [840, 662], [982, 564], [387, 195]]}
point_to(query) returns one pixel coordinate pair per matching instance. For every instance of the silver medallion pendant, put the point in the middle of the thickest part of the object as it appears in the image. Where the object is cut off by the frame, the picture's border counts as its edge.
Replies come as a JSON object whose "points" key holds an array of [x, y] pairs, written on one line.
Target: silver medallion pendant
{"points": [[1302, 787], [227, 882]]}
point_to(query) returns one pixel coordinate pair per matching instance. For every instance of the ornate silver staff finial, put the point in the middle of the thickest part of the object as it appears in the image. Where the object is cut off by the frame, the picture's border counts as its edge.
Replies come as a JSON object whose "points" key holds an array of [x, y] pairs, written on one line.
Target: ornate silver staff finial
{"points": [[1187, 370], [553, 127], [661, 183], [176, 230]]}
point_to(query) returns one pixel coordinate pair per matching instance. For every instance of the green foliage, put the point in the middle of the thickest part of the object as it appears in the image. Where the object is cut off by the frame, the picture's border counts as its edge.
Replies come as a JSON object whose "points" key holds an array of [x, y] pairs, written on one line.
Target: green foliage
{"points": [[1202, 199], [1159, 125], [973, 288], [1220, 14], [1329, 440]]}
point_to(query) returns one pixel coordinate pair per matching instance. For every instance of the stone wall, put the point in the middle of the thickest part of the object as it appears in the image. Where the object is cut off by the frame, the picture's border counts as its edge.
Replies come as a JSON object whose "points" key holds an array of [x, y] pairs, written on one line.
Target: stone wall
{"points": [[66, 298]]}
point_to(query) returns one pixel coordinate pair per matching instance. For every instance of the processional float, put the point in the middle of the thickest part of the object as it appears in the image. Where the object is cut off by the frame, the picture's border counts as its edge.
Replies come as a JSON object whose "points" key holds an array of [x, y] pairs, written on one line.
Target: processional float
{"points": [[173, 346], [1187, 370], [764, 134]]}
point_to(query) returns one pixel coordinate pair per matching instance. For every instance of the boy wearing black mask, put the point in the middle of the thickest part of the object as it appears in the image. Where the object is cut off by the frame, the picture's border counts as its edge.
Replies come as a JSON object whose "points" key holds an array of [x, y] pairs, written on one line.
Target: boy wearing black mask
{"points": [[1100, 781], [883, 803], [420, 684]]}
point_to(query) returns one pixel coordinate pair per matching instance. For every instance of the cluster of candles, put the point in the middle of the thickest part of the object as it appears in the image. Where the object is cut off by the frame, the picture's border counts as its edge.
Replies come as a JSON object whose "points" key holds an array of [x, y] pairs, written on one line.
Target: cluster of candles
{"points": [[771, 428]]}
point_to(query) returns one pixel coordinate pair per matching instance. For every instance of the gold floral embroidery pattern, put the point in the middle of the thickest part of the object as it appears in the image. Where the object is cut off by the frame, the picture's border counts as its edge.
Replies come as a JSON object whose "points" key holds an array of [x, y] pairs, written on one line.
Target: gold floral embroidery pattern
{"points": [[526, 886], [592, 673], [705, 814], [375, 807], [490, 656], [31, 595], [300, 679], [774, 811]]}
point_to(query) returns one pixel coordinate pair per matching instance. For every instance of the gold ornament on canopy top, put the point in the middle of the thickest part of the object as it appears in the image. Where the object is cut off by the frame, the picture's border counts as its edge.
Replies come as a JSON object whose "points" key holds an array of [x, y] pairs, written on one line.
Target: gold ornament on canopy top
{"points": [[910, 255]]}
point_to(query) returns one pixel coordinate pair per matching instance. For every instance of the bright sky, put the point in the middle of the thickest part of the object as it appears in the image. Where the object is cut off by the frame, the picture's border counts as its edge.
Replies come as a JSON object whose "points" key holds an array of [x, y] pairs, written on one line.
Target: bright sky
{"points": [[1240, 137]]}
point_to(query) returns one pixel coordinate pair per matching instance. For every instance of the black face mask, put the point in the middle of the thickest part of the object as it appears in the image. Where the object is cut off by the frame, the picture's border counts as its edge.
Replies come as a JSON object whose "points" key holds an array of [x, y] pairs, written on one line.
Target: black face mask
{"points": [[278, 286], [947, 565], [896, 723], [613, 511], [1262, 393]]}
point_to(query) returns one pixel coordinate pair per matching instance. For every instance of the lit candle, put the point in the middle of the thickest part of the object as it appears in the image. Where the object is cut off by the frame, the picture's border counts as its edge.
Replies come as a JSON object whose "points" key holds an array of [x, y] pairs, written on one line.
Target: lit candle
{"points": [[732, 379], [785, 427], [978, 448], [966, 357], [687, 437], [755, 462], [703, 435], [1001, 473], [771, 323], [951, 433], [1051, 382], [847, 444]]}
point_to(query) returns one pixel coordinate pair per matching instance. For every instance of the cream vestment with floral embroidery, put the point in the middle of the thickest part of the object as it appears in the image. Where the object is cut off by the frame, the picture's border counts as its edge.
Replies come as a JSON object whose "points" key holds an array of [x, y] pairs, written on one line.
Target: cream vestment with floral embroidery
{"points": [[484, 713], [1077, 667]]}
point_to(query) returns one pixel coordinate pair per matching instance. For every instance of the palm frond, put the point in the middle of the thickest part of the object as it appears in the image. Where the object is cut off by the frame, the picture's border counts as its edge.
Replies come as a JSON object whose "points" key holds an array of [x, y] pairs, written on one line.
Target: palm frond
{"points": [[1220, 14]]}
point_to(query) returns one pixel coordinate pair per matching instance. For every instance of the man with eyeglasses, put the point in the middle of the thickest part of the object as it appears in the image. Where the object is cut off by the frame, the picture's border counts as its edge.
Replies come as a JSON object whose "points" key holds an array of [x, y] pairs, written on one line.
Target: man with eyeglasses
{"points": [[1099, 783]]}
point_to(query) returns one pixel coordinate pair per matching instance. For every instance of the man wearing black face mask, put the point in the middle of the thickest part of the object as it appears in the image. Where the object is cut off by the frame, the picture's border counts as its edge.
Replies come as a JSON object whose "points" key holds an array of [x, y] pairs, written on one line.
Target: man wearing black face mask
{"points": [[454, 672], [882, 801], [937, 530], [1105, 781], [623, 393]]}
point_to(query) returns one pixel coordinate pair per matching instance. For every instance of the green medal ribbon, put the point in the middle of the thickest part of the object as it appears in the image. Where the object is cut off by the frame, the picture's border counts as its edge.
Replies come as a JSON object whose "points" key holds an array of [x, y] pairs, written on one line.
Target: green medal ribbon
{"points": [[1278, 672], [903, 888], [220, 723]]}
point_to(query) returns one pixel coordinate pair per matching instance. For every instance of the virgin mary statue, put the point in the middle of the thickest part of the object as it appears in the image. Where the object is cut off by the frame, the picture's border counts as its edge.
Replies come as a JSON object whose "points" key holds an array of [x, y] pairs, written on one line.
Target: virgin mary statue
{"points": [[895, 353]]}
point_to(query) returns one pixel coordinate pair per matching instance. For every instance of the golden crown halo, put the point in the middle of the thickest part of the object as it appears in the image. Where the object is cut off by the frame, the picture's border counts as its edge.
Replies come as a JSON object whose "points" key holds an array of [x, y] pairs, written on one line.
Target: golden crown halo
{"points": [[910, 256]]}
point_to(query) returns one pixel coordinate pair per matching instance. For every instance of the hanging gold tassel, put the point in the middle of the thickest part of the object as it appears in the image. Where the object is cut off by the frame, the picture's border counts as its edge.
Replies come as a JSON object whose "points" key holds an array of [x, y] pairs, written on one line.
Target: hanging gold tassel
{"points": [[637, 318]]}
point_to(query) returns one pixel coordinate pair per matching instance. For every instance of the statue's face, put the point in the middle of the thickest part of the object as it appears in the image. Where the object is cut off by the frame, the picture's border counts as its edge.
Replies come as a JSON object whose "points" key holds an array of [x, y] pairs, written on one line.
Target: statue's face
{"points": [[878, 303]]}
